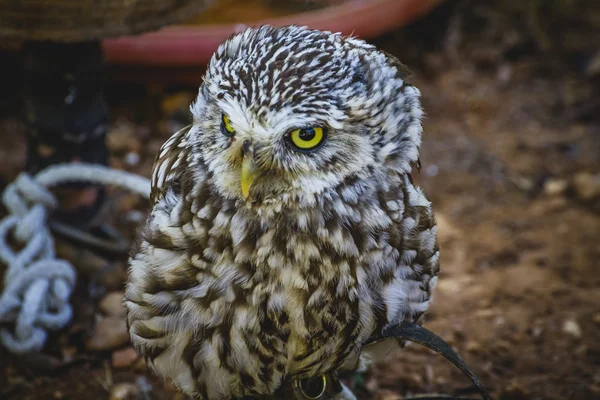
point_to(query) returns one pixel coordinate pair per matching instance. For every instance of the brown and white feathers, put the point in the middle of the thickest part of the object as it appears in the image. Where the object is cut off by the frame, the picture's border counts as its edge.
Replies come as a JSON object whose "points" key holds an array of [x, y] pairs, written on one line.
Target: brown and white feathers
{"points": [[285, 228]]}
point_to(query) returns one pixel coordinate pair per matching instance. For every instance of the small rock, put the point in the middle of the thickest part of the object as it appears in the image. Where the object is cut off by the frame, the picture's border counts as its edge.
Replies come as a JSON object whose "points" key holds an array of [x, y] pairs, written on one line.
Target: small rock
{"points": [[432, 170], [68, 353], [132, 158], [572, 328], [372, 385], [593, 66], [123, 391], [587, 186], [555, 187], [523, 183], [549, 205], [486, 313], [144, 387], [139, 365], [387, 395], [122, 138], [513, 391], [414, 381], [454, 284], [596, 318], [112, 304], [537, 331], [110, 333], [135, 216], [473, 347], [124, 357]]}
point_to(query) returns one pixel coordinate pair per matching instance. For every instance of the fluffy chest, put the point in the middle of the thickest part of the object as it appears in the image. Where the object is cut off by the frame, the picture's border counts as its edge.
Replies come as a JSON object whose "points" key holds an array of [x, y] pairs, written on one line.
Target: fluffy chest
{"points": [[294, 284], [250, 299]]}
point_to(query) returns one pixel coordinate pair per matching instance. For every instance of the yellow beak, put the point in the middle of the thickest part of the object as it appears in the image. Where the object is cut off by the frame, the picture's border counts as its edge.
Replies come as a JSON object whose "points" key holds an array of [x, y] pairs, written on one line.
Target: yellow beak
{"points": [[248, 175]]}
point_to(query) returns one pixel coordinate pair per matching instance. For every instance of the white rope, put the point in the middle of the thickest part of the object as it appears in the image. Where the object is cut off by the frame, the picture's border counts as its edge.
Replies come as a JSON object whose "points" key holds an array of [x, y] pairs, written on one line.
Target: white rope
{"points": [[37, 286]]}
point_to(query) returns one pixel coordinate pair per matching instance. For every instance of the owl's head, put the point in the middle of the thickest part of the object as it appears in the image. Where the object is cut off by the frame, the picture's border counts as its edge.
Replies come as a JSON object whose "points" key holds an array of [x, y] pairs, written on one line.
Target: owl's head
{"points": [[288, 113]]}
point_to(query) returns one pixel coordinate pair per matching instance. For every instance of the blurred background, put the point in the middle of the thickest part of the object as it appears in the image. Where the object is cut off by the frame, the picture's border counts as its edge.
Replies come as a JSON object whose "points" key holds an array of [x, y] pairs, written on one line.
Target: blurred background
{"points": [[510, 160]]}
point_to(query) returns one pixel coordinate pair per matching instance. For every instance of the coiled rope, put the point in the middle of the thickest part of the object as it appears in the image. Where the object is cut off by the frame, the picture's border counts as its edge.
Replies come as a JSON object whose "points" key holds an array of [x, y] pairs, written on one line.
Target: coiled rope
{"points": [[37, 286]]}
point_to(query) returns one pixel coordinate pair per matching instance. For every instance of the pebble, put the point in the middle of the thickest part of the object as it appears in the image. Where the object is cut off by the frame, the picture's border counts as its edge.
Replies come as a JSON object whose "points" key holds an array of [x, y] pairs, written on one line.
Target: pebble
{"points": [[139, 365], [387, 395], [123, 391], [486, 313], [596, 318], [135, 216], [513, 391], [110, 332], [112, 304], [587, 186], [473, 347], [132, 158], [555, 186], [572, 328], [122, 138], [372, 385], [593, 66], [537, 331], [414, 381], [454, 284], [124, 357], [68, 353], [144, 386]]}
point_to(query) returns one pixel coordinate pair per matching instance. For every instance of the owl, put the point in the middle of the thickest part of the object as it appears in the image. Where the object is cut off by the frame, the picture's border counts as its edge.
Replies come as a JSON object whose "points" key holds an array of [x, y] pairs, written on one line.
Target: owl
{"points": [[285, 229]]}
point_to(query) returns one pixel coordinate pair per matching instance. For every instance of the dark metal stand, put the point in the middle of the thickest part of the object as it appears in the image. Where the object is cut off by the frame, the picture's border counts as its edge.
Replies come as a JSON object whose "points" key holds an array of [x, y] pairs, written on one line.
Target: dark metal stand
{"points": [[67, 120], [65, 108]]}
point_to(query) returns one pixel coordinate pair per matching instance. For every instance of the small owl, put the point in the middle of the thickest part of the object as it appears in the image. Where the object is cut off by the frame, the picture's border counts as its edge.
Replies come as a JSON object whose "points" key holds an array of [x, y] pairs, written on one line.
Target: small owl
{"points": [[285, 228]]}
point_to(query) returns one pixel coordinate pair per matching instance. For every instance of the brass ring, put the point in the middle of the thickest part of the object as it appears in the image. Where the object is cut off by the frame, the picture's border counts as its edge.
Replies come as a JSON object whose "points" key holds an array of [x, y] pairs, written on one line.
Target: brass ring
{"points": [[307, 396]]}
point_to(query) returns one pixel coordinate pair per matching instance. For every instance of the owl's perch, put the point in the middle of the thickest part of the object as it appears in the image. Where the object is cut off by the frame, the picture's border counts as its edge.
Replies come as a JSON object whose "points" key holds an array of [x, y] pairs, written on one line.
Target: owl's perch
{"points": [[418, 334]]}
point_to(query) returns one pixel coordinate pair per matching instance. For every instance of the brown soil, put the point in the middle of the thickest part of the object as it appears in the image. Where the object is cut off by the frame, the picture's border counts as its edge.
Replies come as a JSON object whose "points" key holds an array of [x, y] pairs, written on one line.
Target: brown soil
{"points": [[511, 137]]}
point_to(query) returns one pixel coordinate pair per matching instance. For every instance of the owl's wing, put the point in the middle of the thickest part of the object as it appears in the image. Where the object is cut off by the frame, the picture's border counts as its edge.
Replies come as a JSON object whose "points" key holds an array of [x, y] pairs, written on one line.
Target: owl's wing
{"points": [[169, 164], [404, 73], [413, 234]]}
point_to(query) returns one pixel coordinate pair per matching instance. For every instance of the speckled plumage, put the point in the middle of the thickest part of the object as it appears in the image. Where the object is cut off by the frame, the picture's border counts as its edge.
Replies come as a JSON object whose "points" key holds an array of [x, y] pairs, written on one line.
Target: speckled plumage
{"points": [[233, 297]]}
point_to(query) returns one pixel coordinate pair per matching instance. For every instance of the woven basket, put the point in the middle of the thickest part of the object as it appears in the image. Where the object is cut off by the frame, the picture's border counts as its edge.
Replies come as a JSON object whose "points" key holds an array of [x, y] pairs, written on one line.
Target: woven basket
{"points": [[80, 20]]}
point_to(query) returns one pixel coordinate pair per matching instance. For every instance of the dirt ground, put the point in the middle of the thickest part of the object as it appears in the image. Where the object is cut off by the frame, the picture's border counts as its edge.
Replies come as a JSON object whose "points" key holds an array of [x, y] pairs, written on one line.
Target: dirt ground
{"points": [[511, 162]]}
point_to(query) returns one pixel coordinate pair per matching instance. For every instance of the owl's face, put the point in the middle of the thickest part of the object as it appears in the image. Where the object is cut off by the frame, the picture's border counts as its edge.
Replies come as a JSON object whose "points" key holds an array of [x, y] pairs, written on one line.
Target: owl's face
{"points": [[288, 114]]}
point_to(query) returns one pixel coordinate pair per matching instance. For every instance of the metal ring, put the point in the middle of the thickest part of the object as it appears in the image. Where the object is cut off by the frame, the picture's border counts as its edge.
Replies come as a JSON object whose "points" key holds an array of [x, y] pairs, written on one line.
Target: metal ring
{"points": [[301, 390]]}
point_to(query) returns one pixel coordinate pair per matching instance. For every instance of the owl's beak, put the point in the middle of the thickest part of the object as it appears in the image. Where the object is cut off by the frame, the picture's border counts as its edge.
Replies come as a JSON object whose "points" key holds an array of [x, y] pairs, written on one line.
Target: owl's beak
{"points": [[248, 168], [248, 174]]}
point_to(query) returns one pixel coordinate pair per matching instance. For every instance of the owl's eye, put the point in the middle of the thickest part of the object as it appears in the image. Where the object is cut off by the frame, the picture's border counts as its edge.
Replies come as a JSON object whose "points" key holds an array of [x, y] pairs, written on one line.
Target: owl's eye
{"points": [[226, 127], [307, 139]]}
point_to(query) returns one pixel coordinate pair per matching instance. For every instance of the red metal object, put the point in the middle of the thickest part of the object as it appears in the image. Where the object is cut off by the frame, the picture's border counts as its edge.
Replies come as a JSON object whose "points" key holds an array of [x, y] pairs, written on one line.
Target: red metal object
{"points": [[186, 46]]}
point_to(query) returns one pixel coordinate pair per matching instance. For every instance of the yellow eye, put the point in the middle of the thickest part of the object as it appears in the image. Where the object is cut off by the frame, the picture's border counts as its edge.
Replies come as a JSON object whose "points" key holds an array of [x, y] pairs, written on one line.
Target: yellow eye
{"points": [[226, 127], [307, 138]]}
